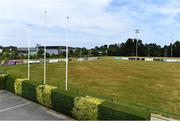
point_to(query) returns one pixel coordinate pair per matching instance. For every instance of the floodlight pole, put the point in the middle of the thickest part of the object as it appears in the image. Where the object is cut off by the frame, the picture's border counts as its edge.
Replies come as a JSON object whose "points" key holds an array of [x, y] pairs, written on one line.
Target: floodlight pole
{"points": [[45, 37], [172, 45], [137, 32], [29, 52], [67, 50]]}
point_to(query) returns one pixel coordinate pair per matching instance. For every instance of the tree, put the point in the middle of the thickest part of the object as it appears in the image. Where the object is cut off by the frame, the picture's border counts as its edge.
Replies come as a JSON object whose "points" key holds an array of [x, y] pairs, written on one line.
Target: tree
{"points": [[40, 53], [84, 52], [130, 47], [95, 51], [176, 49], [48, 55], [142, 49], [103, 49], [154, 50], [114, 50], [71, 53], [77, 52]]}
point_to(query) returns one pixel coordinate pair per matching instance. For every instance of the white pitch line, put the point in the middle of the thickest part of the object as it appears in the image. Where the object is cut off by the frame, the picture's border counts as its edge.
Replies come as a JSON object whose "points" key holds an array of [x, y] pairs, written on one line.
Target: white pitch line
{"points": [[15, 107]]}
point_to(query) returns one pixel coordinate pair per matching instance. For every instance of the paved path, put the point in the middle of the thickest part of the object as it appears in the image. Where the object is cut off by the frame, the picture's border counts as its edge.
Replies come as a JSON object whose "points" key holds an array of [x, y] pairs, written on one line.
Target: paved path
{"points": [[13, 107]]}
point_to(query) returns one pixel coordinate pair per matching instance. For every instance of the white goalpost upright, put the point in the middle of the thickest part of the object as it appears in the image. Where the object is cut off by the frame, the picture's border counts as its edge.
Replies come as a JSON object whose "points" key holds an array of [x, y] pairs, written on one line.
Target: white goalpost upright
{"points": [[67, 49], [29, 51], [45, 37]]}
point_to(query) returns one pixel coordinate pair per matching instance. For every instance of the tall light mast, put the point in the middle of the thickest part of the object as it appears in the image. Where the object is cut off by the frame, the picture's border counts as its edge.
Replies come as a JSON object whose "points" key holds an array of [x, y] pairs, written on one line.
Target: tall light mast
{"points": [[137, 32]]}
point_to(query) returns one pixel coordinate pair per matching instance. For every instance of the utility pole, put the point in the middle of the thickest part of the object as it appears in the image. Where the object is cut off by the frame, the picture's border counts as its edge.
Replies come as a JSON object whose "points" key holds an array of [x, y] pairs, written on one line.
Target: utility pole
{"points": [[45, 37], [137, 32], [67, 42]]}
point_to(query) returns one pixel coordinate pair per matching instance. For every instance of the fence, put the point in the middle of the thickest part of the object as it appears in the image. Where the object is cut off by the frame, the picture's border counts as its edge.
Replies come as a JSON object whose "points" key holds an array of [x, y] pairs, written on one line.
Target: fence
{"points": [[147, 110]]}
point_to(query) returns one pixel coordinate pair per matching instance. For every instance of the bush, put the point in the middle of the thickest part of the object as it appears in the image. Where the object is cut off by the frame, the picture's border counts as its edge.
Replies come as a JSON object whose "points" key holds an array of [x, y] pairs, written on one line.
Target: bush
{"points": [[63, 101], [29, 90], [86, 108], [44, 94], [10, 83], [2, 81], [112, 111], [18, 86]]}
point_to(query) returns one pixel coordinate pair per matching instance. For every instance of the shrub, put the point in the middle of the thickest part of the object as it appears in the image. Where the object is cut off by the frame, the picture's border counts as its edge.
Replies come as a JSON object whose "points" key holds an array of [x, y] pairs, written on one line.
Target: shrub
{"points": [[44, 94], [29, 90], [2, 81], [111, 111], [86, 108], [63, 101], [18, 86], [10, 83]]}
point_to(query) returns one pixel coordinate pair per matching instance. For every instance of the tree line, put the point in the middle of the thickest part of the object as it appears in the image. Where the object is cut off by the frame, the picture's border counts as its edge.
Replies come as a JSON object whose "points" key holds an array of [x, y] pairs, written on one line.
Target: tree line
{"points": [[127, 48]]}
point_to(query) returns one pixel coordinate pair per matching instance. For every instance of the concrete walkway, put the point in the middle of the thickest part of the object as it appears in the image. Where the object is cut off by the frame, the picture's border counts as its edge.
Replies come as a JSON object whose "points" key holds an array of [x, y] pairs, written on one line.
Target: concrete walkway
{"points": [[13, 107]]}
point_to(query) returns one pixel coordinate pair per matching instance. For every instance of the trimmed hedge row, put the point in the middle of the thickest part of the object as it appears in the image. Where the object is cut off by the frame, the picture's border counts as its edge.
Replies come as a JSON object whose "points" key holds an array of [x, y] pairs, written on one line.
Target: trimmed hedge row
{"points": [[108, 111], [18, 86], [71, 103], [10, 81], [63, 101], [2, 81], [29, 90], [86, 108], [44, 94]]}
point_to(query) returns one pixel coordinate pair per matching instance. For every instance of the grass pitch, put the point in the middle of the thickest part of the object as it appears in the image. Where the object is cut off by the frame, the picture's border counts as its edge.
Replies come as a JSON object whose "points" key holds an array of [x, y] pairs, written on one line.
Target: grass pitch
{"points": [[152, 84]]}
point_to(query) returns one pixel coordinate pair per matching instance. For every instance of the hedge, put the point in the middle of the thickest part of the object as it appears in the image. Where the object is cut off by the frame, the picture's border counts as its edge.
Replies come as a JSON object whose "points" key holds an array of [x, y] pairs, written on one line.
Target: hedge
{"points": [[108, 111], [18, 86], [63, 101], [70, 103], [2, 81], [44, 94], [10, 81], [86, 108], [29, 90]]}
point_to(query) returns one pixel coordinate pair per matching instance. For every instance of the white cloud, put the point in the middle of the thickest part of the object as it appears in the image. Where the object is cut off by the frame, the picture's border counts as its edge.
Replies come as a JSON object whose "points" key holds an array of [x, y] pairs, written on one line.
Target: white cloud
{"points": [[89, 19], [84, 14]]}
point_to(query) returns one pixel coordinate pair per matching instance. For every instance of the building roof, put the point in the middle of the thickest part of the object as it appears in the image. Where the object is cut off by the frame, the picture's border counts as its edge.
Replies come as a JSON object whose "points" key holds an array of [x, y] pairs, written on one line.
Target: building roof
{"points": [[26, 49], [55, 47]]}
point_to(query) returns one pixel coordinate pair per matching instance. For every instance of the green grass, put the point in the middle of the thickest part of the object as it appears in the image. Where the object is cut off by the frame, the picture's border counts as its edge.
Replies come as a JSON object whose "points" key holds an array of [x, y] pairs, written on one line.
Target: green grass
{"points": [[152, 84]]}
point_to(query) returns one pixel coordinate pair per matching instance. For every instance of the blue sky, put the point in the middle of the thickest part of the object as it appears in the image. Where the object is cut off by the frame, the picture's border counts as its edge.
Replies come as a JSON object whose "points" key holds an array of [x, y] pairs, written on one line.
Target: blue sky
{"points": [[92, 22]]}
